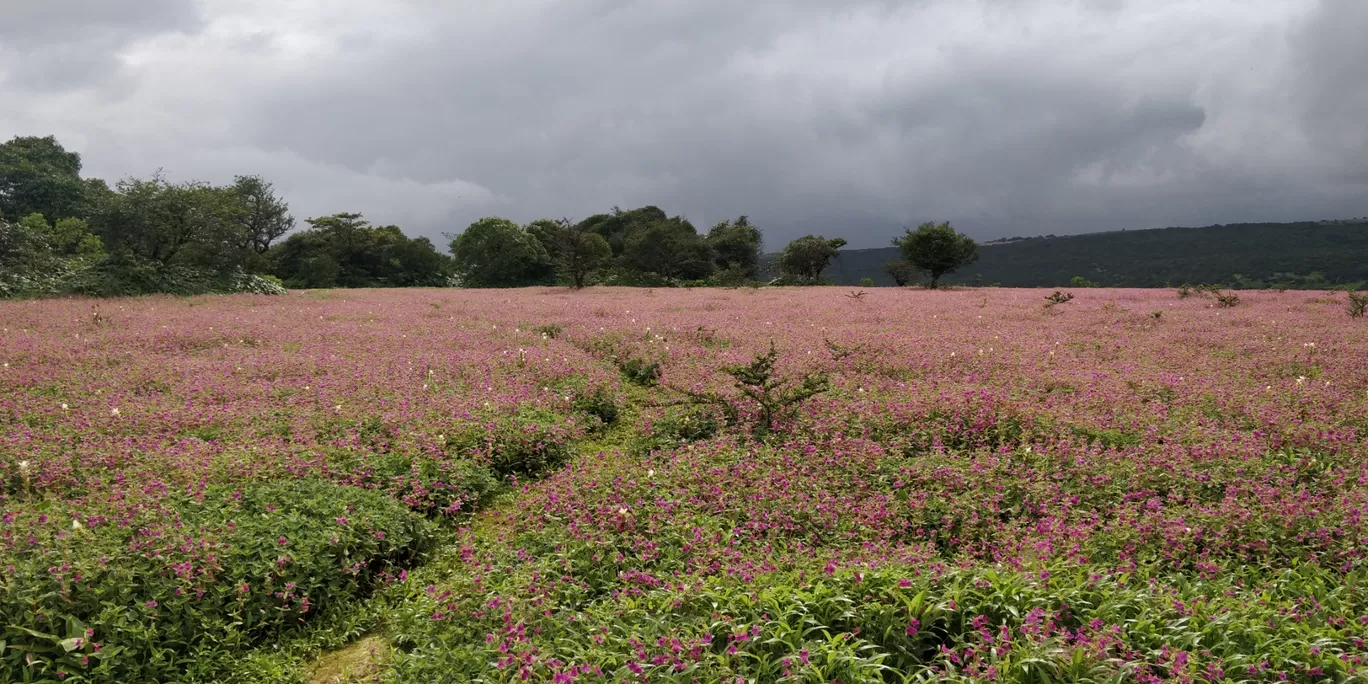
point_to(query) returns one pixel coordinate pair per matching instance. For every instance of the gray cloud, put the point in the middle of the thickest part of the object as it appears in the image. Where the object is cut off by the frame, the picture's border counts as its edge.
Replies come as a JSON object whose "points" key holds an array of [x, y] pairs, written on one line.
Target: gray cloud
{"points": [[849, 118]]}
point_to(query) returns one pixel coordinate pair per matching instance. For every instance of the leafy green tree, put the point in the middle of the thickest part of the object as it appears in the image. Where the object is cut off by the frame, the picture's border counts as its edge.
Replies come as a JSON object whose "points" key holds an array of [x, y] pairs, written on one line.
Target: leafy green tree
{"points": [[671, 249], [548, 233], [265, 217], [901, 271], [580, 253], [496, 252], [619, 226], [737, 244], [345, 250], [804, 259], [68, 238], [38, 176], [937, 249], [188, 224]]}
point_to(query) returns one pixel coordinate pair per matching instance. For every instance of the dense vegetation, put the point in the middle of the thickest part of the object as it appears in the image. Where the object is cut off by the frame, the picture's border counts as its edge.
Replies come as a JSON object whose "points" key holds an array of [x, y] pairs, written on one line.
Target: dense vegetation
{"points": [[685, 485], [1311, 255]]}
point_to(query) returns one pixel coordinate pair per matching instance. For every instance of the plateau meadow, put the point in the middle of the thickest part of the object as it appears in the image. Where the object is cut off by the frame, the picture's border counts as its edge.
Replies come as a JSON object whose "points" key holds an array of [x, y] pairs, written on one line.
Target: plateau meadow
{"points": [[685, 485]]}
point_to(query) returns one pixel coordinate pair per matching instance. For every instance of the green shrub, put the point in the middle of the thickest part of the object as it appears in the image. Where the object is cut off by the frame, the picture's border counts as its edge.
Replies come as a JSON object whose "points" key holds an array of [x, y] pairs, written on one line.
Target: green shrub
{"points": [[640, 371], [600, 403], [525, 445], [144, 600], [425, 484], [693, 424]]}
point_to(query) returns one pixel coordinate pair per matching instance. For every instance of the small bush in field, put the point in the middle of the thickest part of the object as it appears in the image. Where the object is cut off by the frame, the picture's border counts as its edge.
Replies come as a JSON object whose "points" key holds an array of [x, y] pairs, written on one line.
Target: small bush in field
{"points": [[599, 403], [1226, 300], [1058, 297], [640, 371], [1358, 304]]}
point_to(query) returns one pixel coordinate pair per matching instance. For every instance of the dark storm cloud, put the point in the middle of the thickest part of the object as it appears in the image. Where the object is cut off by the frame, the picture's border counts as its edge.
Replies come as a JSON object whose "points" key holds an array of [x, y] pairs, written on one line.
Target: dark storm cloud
{"points": [[56, 44], [849, 118]]}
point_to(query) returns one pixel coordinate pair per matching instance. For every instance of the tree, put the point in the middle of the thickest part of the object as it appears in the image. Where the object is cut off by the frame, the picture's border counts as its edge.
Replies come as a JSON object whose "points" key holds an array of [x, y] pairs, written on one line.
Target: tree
{"points": [[804, 259], [579, 253], [38, 176], [619, 226], [496, 252], [192, 224], [737, 244], [548, 233], [901, 271], [937, 249], [670, 248], [264, 218], [346, 250]]}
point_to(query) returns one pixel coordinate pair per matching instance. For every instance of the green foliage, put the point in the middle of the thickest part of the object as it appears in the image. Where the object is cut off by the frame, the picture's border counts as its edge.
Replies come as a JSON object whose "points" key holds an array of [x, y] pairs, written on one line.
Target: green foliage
{"points": [[900, 271], [775, 397], [345, 250], [737, 246], [643, 372], [803, 260], [38, 176], [671, 249], [937, 249], [263, 218], [599, 403], [1080, 281], [691, 423], [579, 253], [1226, 300], [549, 330], [190, 225], [619, 226], [98, 603], [903, 624], [496, 252], [525, 445]]}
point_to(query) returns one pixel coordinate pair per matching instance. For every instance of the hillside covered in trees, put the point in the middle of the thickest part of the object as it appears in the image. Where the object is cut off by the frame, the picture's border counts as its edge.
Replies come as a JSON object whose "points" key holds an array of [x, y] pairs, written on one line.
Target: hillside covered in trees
{"points": [[1245, 255]]}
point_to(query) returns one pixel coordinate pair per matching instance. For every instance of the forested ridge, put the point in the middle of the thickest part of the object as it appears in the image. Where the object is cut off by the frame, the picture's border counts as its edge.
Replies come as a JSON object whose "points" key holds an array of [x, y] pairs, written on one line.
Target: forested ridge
{"points": [[1312, 254], [61, 233]]}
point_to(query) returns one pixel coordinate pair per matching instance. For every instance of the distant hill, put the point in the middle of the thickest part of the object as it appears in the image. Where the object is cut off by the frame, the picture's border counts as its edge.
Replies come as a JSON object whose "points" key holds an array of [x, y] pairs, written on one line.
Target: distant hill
{"points": [[1311, 255]]}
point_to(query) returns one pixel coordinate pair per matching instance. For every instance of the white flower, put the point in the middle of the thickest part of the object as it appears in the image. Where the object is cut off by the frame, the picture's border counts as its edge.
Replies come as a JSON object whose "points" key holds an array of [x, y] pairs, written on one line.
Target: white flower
{"points": [[338, 407], [75, 524], [622, 511], [114, 411], [650, 473], [1301, 379], [65, 407], [23, 465]]}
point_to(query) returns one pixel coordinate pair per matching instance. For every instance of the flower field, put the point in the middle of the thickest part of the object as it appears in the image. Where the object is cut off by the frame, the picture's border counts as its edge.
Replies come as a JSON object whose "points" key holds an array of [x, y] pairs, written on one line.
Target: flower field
{"points": [[771, 485]]}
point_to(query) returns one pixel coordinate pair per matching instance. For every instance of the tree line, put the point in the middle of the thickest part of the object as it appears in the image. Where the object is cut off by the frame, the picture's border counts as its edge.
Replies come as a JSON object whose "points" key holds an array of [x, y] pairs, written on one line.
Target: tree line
{"points": [[62, 233]]}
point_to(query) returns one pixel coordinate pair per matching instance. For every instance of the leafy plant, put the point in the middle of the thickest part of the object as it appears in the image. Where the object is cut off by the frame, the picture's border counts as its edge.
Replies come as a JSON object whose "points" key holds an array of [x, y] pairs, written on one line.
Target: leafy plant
{"points": [[775, 397], [1226, 300], [640, 371]]}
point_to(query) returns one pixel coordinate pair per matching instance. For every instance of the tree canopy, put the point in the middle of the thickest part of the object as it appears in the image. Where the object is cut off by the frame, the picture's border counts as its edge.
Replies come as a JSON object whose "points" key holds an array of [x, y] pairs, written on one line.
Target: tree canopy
{"points": [[38, 176], [496, 252], [937, 249], [803, 260]]}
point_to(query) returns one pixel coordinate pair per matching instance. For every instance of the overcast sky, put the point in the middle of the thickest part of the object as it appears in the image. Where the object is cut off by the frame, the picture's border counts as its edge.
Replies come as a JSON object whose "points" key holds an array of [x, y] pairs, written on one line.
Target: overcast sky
{"points": [[844, 117]]}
